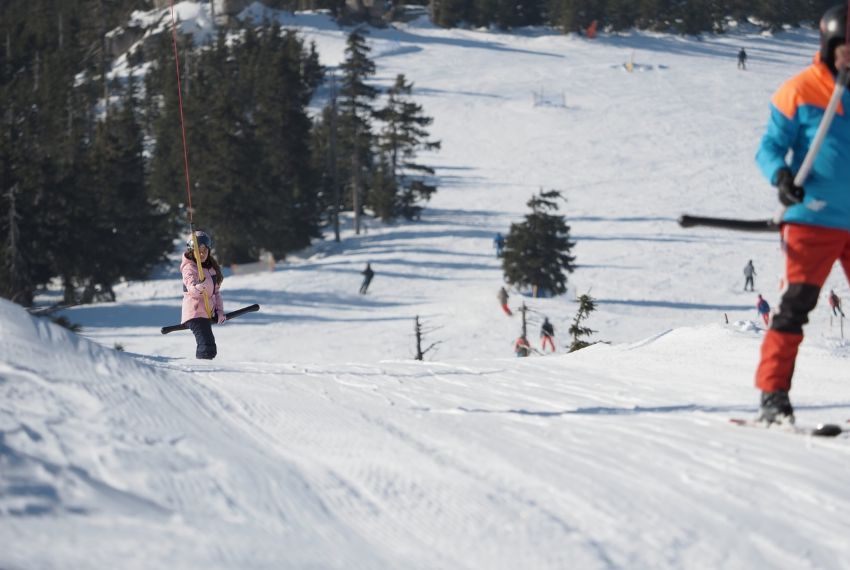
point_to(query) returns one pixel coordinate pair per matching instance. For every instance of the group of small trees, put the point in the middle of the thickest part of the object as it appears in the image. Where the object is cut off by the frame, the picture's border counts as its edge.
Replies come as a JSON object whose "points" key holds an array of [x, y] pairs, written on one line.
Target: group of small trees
{"points": [[376, 165], [92, 183], [73, 203], [247, 126], [537, 256]]}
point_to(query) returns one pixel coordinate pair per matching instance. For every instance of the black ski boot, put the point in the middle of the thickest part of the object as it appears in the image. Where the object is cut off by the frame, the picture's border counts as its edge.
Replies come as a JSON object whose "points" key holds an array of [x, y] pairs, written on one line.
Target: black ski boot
{"points": [[776, 408]]}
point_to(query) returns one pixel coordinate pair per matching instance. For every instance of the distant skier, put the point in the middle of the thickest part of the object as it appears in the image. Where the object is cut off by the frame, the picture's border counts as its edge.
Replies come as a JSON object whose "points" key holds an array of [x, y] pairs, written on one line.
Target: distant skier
{"points": [[522, 348], [749, 273], [503, 296], [499, 244], [764, 309], [194, 312], [835, 304], [742, 59], [547, 334], [367, 274]]}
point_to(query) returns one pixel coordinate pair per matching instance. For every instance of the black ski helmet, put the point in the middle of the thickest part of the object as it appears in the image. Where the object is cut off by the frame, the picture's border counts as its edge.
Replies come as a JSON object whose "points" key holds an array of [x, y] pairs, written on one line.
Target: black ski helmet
{"points": [[203, 239], [833, 26]]}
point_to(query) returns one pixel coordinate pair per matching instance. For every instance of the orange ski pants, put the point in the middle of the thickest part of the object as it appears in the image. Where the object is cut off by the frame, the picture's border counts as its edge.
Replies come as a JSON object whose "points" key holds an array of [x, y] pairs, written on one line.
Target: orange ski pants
{"points": [[810, 252]]}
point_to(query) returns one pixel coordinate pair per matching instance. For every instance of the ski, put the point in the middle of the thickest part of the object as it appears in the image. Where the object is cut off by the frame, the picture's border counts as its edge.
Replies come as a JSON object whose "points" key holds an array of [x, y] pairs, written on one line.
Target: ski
{"points": [[767, 225], [820, 430], [227, 317]]}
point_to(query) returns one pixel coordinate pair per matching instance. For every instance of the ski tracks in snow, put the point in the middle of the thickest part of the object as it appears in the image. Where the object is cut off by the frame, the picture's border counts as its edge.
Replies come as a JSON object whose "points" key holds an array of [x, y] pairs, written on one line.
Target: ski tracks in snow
{"points": [[523, 465]]}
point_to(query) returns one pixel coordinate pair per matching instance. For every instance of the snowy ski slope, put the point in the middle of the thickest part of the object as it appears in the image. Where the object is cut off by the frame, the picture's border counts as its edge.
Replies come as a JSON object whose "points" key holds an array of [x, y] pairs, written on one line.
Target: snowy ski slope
{"points": [[315, 441]]}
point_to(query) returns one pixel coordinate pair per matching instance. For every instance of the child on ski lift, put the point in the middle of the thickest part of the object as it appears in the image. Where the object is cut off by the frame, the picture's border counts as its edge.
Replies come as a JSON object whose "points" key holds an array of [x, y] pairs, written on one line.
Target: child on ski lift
{"points": [[194, 314]]}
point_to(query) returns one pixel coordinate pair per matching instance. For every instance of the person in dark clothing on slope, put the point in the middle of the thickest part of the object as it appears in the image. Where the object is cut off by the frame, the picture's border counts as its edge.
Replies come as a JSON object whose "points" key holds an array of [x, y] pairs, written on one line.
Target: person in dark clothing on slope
{"points": [[749, 273], [835, 304], [815, 226], [367, 274], [547, 335], [742, 59]]}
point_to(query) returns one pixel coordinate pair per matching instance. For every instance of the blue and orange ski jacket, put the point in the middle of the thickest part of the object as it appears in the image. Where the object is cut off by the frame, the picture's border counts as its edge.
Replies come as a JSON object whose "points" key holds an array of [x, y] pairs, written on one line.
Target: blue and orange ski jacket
{"points": [[796, 110]]}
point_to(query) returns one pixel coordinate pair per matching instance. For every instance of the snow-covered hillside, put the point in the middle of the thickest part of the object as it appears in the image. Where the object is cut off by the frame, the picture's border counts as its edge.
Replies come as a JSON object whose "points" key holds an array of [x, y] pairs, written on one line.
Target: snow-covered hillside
{"points": [[614, 457], [314, 441]]}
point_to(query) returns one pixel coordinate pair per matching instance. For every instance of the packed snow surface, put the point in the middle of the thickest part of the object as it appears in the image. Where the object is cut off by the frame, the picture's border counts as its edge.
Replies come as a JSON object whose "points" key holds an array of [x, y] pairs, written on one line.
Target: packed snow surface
{"points": [[314, 440]]}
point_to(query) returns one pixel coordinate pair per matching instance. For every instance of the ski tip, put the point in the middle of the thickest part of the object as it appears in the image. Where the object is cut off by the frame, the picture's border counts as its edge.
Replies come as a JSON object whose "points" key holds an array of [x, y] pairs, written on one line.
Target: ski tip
{"points": [[827, 430], [686, 221]]}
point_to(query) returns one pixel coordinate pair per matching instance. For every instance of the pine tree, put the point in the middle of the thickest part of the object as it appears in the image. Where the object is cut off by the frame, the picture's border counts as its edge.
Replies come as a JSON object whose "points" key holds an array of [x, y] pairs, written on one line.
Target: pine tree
{"points": [[13, 286], [166, 178], [287, 75], [253, 184], [537, 251], [324, 144], [228, 190], [383, 191], [402, 136], [132, 234], [450, 13], [40, 58], [356, 113], [586, 305]]}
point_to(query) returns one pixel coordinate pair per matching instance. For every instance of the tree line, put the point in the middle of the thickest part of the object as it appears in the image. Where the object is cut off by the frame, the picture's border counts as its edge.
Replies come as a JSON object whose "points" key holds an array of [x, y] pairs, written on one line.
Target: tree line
{"points": [[674, 16], [92, 183]]}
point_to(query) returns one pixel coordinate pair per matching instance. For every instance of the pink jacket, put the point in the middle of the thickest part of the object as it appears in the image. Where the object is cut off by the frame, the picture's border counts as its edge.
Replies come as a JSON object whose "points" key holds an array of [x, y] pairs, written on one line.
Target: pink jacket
{"points": [[193, 296]]}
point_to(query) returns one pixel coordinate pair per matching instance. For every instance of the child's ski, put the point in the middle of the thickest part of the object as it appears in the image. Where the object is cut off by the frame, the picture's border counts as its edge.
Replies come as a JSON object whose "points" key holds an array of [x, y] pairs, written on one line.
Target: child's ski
{"points": [[820, 430], [227, 317]]}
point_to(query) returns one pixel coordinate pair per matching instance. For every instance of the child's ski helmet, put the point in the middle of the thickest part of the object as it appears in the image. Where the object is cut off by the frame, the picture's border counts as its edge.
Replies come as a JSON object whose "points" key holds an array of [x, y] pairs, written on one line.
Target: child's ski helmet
{"points": [[203, 239], [833, 31]]}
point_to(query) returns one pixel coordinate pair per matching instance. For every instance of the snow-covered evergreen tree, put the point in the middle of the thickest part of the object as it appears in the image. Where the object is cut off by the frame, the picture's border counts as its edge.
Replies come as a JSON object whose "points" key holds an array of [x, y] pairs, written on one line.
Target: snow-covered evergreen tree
{"points": [[537, 251]]}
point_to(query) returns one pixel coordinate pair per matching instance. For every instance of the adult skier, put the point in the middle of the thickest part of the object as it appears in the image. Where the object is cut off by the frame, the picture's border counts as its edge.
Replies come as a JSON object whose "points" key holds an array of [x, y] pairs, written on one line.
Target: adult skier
{"points": [[763, 309], [522, 347], [742, 59], [815, 227], [502, 295], [194, 312], [547, 334], [367, 274], [749, 273], [835, 304], [499, 244]]}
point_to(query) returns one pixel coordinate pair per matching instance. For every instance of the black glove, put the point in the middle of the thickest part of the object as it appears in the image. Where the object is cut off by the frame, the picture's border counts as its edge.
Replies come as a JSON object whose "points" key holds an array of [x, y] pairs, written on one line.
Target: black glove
{"points": [[789, 193]]}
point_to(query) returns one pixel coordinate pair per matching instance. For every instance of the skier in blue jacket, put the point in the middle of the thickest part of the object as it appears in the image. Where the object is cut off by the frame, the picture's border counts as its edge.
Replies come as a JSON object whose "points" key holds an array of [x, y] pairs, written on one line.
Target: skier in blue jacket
{"points": [[815, 227]]}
